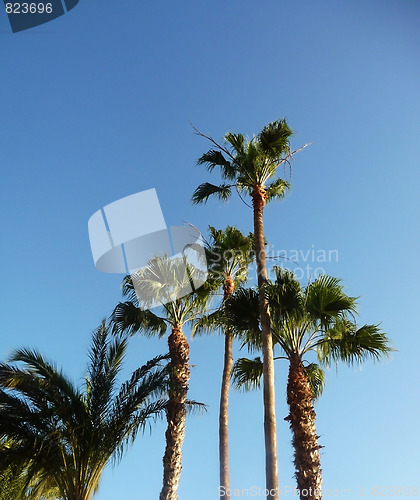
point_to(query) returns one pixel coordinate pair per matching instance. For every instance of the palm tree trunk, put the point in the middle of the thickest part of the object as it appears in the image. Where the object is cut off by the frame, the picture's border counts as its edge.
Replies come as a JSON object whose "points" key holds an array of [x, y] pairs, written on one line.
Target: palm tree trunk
{"points": [[305, 439], [228, 287], [176, 412], [270, 434], [223, 416]]}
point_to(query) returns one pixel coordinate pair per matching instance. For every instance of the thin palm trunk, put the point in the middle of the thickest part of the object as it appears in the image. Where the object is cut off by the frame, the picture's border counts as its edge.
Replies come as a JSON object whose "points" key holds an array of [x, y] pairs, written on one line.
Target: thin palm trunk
{"points": [[258, 201], [305, 439], [223, 416], [176, 412], [224, 401]]}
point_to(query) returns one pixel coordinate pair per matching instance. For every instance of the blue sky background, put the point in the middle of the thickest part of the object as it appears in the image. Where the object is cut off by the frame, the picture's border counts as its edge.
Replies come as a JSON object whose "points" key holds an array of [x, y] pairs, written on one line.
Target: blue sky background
{"points": [[96, 106]]}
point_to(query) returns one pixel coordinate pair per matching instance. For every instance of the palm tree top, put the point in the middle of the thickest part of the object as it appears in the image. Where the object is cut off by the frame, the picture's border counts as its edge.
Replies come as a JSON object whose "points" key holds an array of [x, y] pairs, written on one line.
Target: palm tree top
{"points": [[320, 317], [62, 436], [164, 284], [248, 163], [229, 253]]}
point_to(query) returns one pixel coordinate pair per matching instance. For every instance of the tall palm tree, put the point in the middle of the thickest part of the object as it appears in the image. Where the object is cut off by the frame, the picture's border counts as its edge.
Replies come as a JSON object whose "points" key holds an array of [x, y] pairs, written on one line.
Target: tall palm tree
{"points": [[251, 166], [163, 281], [61, 437], [229, 254], [320, 319]]}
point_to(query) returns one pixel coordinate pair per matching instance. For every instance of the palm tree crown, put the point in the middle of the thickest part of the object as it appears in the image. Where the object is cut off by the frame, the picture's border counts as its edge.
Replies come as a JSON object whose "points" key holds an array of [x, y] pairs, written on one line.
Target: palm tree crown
{"points": [[248, 163], [166, 282], [321, 319], [63, 437]]}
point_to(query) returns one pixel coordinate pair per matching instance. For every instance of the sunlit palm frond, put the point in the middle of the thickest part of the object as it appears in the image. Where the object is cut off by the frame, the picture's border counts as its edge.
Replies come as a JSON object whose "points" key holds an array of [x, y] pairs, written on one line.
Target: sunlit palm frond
{"points": [[277, 189], [326, 299], [316, 377], [345, 342], [229, 253]]}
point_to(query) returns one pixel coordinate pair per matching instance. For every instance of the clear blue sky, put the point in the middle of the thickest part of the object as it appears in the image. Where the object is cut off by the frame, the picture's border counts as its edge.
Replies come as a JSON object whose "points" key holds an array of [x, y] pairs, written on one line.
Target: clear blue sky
{"points": [[96, 106]]}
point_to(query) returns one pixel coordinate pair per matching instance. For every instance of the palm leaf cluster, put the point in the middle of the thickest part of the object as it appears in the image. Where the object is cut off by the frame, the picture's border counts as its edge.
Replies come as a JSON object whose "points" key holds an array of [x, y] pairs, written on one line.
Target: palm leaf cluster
{"points": [[62, 437], [320, 319], [246, 163]]}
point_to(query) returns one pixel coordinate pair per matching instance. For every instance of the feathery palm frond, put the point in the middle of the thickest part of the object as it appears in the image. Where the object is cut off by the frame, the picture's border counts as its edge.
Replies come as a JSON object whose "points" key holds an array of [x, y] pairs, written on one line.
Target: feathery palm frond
{"points": [[60, 438]]}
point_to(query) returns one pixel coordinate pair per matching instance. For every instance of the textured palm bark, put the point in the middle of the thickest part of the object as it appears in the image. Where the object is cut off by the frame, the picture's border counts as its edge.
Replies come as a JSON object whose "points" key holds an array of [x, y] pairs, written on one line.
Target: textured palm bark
{"points": [[228, 287], [270, 434], [305, 439], [176, 413]]}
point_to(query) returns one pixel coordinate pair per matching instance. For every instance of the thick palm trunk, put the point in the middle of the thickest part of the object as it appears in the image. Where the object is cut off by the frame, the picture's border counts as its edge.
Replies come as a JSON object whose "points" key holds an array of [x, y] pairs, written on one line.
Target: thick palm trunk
{"points": [[270, 434], [224, 402], [175, 413], [305, 440]]}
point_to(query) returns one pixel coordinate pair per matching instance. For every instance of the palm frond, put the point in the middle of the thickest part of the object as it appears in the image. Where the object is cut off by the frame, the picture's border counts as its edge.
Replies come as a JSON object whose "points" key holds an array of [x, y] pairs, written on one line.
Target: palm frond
{"points": [[209, 323], [60, 438], [277, 189], [316, 377], [274, 138], [247, 373], [345, 342], [326, 299], [195, 407], [128, 319], [205, 190], [237, 141], [215, 158], [243, 317]]}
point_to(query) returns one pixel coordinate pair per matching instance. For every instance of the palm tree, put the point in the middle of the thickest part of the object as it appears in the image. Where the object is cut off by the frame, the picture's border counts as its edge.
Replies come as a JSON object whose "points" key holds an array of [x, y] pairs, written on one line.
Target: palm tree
{"points": [[164, 281], [61, 438], [229, 254], [320, 319], [15, 485], [251, 166]]}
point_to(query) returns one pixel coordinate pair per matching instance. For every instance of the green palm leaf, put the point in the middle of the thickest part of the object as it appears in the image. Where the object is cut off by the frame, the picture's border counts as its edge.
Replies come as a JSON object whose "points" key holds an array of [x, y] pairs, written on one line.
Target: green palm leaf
{"points": [[205, 190], [247, 373], [316, 377], [59, 439]]}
